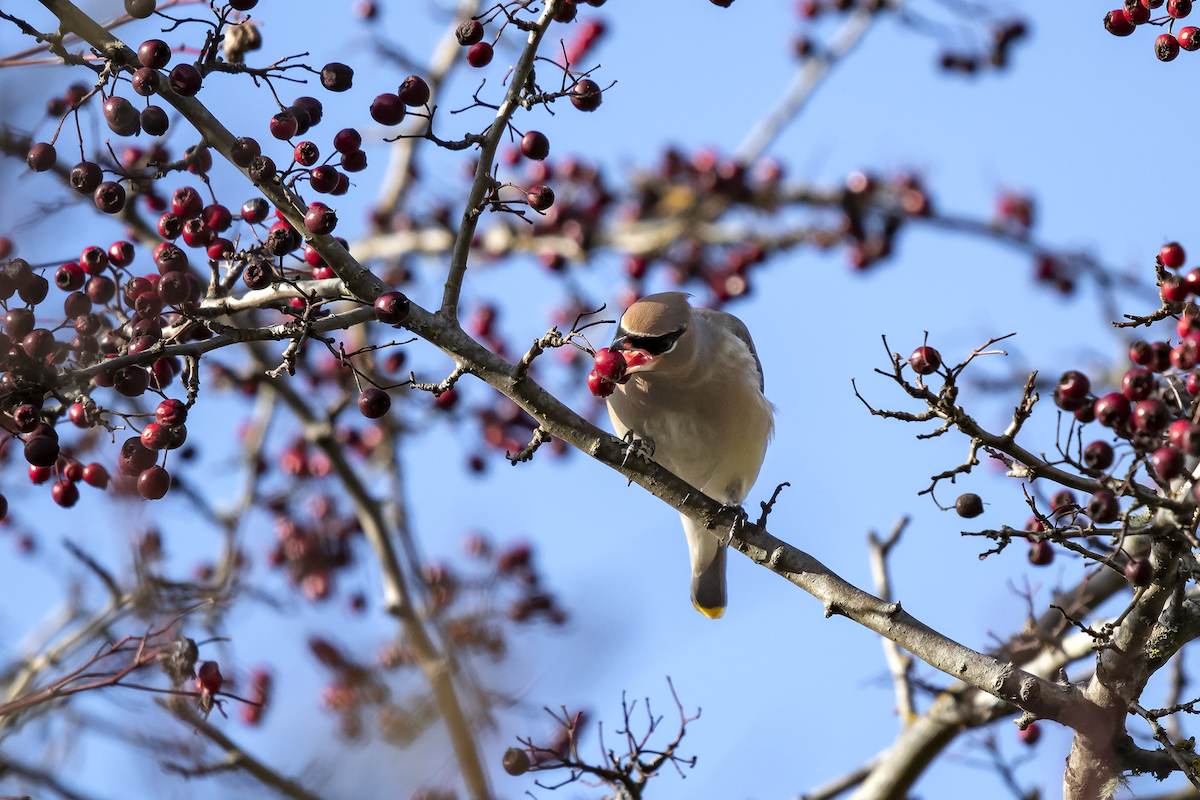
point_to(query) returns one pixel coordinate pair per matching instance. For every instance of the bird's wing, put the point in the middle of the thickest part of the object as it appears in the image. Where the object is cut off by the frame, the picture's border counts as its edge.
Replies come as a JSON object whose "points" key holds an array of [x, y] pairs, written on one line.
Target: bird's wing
{"points": [[731, 324]]}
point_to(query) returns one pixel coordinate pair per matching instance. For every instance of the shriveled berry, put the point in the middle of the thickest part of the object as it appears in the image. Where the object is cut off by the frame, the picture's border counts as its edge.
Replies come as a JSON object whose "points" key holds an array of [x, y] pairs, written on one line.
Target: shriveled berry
{"points": [[306, 154], [968, 505], [86, 176], [336, 77], [469, 33], [516, 762]]}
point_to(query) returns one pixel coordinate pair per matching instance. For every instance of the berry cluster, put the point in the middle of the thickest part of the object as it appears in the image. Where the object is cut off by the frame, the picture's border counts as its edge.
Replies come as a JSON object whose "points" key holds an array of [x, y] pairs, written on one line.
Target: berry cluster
{"points": [[1123, 21]]}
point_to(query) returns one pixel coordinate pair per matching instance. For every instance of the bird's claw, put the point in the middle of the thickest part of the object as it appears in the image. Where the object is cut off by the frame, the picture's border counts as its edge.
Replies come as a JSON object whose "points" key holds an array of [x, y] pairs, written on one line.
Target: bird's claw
{"points": [[632, 444], [739, 522]]}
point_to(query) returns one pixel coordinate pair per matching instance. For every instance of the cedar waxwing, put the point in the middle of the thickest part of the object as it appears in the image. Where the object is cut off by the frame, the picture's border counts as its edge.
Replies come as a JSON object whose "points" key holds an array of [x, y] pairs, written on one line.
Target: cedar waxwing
{"points": [[695, 396]]}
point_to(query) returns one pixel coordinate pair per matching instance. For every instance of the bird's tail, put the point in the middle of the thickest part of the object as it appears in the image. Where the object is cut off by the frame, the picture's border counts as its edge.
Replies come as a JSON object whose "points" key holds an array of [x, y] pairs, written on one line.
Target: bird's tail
{"points": [[708, 568]]}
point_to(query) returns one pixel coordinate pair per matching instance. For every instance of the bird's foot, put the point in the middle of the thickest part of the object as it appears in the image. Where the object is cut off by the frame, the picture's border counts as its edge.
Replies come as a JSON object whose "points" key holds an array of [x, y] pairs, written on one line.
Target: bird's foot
{"points": [[739, 522], [633, 445]]}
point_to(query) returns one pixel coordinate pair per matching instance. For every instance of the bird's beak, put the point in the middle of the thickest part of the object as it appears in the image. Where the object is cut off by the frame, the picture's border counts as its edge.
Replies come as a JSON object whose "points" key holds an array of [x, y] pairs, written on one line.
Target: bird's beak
{"points": [[636, 360]]}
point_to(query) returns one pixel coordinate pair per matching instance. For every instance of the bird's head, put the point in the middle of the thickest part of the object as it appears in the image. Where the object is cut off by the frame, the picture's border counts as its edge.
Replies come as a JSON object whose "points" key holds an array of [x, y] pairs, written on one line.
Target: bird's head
{"points": [[653, 329]]}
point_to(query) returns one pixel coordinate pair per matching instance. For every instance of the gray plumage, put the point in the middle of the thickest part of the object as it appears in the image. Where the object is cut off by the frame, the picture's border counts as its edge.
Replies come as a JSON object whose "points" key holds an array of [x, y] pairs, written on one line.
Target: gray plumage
{"points": [[696, 393]]}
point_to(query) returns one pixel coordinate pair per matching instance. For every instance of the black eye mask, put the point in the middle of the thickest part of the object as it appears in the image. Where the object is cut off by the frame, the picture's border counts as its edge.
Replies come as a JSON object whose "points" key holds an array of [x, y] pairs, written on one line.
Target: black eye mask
{"points": [[654, 345]]}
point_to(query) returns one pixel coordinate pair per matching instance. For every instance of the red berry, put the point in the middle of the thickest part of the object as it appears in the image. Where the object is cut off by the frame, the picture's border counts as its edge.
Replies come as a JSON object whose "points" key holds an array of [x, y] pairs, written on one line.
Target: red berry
{"points": [[41, 157], [95, 475], [1098, 455], [306, 154], [109, 197], [1112, 410], [1030, 735], [1166, 47], [154, 53], [1103, 507], [387, 109], [1137, 13], [1151, 416], [1179, 8], [1167, 462], [1137, 384], [540, 198], [153, 483], [154, 120], [208, 677], [320, 219], [391, 308], [1189, 38], [925, 360], [1139, 571], [414, 91], [185, 80], [480, 54], [1171, 255], [171, 412], [374, 403], [284, 125], [598, 386], [243, 151], [354, 162], [347, 140], [535, 145], [323, 179], [586, 95], [1041, 554], [609, 365], [65, 493]]}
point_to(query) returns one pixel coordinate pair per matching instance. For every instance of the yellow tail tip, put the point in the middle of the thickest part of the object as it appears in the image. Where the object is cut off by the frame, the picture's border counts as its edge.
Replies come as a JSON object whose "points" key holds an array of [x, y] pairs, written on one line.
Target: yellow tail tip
{"points": [[711, 613]]}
